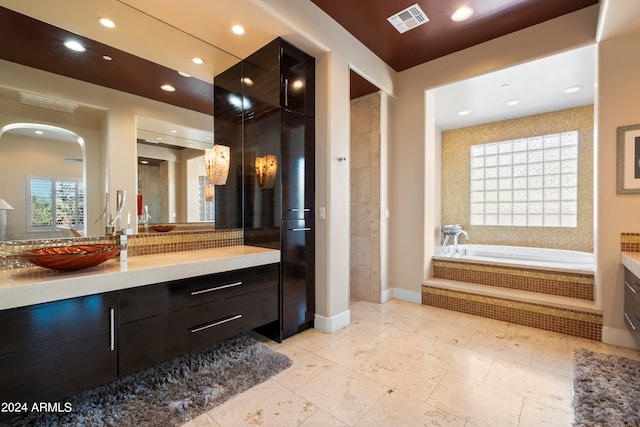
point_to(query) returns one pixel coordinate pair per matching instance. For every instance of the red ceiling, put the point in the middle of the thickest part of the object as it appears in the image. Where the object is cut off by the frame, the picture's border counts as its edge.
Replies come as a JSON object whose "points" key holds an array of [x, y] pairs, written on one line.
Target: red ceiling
{"points": [[367, 21]]}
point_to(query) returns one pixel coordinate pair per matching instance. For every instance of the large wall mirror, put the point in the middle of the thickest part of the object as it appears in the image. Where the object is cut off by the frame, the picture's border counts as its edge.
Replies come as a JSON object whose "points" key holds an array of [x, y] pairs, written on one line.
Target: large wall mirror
{"points": [[133, 135]]}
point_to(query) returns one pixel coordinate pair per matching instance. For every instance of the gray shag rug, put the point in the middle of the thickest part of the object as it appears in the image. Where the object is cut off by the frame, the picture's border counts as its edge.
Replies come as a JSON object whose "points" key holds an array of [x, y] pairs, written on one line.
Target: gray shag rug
{"points": [[173, 392], [606, 390]]}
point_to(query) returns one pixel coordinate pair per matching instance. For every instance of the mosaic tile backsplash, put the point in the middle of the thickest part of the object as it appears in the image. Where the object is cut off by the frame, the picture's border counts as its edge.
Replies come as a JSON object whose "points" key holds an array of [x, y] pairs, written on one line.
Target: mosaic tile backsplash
{"points": [[138, 244]]}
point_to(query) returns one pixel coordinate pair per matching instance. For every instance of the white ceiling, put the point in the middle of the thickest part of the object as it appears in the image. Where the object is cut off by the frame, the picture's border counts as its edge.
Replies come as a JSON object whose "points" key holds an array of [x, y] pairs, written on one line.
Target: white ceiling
{"points": [[538, 85]]}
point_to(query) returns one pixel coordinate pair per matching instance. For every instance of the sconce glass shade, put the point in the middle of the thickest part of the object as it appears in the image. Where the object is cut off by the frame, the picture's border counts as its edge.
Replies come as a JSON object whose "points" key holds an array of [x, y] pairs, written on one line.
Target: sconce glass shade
{"points": [[266, 169], [217, 162], [209, 193]]}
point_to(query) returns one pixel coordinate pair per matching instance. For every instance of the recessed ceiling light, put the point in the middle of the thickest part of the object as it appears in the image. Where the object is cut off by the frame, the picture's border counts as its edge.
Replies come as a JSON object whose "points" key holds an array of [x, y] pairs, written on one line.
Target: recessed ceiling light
{"points": [[159, 138], [74, 45], [174, 131], [572, 89], [107, 22], [238, 29], [462, 14], [183, 74], [464, 112], [168, 88], [512, 102], [107, 57], [505, 85], [198, 61], [144, 162]]}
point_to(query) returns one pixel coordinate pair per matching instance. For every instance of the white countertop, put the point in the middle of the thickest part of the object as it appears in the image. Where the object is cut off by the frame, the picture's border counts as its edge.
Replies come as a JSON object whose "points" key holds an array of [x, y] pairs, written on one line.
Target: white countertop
{"points": [[631, 260], [35, 285]]}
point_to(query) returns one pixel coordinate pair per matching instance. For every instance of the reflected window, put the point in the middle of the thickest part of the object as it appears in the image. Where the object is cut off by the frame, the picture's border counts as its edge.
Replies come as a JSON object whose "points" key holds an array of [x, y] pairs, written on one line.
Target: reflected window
{"points": [[55, 202], [207, 207]]}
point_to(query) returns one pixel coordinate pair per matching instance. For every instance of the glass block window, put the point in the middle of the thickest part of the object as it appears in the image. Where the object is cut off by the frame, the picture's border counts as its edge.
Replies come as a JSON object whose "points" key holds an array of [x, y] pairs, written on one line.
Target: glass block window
{"points": [[529, 182]]}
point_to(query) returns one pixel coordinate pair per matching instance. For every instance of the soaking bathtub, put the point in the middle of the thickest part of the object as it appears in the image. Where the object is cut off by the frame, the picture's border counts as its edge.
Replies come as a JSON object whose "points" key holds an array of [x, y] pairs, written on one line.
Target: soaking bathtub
{"points": [[548, 259]]}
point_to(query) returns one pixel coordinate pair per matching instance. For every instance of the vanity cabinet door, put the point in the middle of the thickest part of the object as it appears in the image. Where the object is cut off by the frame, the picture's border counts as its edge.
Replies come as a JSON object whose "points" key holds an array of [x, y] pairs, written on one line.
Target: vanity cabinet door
{"points": [[632, 304], [54, 350], [298, 166], [297, 80]]}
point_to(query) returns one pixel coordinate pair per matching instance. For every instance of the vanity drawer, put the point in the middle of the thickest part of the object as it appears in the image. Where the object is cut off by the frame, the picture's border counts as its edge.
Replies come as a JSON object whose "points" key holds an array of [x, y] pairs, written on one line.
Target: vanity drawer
{"points": [[149, 341], [143, 302], [631, 285]]}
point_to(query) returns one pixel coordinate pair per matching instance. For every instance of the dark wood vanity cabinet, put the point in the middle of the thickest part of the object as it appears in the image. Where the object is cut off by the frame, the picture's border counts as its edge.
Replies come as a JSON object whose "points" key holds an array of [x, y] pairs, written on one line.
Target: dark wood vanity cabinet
{"points": [[53, 350], [279, 211], [161, 321], [632, 304]]}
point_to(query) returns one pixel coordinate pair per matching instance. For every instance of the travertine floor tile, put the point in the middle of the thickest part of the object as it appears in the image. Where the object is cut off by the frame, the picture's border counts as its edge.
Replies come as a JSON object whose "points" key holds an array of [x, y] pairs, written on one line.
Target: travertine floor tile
{"points": [[267, 404], [407, 375], [451, 334], [502, 348], [305, 367], [398, 409], [532, 383], [474, 401], [343, 393], [352, 353], [535, 414], [462, 361]]}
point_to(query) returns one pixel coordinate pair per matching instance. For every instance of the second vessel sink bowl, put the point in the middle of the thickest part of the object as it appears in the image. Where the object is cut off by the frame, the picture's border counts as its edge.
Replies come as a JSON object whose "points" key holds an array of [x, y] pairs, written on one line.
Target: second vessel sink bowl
{"points": [[73, 257]]}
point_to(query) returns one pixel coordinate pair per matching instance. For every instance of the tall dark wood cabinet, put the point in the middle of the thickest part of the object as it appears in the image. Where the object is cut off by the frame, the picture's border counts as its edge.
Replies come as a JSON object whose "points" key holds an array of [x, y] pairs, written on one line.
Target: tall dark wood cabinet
{"points": [[228, 118], [279, 177]]}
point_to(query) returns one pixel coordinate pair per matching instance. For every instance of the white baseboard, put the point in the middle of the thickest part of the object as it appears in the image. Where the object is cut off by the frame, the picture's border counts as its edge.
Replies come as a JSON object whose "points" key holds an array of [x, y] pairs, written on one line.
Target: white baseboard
{"points": [[406, 295], [386, 295], [332, 324], [620, 337]]}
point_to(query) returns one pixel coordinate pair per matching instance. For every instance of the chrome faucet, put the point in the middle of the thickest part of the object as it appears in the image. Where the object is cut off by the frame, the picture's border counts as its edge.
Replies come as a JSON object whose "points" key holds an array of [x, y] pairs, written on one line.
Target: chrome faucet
{"points": [[455, 241], [449, 231]]}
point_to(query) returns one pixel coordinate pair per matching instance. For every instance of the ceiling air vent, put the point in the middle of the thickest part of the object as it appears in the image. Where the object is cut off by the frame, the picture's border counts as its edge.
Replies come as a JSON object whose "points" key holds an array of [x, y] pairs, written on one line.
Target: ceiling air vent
{"points": [[409, 18], [46, 102]]}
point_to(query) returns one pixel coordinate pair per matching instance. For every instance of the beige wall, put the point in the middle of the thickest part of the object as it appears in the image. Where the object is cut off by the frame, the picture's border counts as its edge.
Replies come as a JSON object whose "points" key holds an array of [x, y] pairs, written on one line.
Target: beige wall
{"points": [[455, 197], [365, 198], [618, 105]]}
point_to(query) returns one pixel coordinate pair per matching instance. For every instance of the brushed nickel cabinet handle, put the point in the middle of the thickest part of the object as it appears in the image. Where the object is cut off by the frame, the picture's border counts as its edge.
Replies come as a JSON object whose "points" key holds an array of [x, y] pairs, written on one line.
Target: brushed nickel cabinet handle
{"points": [[631, 288], [112, 328], [299, 210], [217, 288], [633, 327], [219, 322], [286, 92], [300, 229]]}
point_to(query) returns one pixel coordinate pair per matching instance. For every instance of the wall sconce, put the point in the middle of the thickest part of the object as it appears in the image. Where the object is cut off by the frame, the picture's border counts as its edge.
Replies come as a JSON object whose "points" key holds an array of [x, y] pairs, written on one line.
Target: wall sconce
{"points": [[217, 162], [4, 207], [266, 168], [209, 192]]}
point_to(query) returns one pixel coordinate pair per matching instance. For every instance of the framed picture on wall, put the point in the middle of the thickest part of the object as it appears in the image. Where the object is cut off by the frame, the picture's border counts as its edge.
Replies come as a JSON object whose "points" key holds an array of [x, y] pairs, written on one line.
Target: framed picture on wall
{"points": [[629, 159]]}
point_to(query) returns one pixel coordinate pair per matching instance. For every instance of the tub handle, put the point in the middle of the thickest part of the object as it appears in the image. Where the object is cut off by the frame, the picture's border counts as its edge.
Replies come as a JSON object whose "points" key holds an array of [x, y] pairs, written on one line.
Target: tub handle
{"points": [[631, 288]]}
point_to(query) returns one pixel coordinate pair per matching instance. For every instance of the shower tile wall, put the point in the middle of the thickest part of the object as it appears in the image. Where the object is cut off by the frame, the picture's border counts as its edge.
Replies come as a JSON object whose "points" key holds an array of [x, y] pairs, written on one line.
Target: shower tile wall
{"points": [[456, 180], [365, 198]]}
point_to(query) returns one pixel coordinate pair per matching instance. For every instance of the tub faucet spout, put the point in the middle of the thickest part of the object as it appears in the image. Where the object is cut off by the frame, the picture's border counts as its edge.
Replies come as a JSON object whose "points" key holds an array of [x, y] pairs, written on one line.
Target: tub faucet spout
{"points": [[455, 241]]}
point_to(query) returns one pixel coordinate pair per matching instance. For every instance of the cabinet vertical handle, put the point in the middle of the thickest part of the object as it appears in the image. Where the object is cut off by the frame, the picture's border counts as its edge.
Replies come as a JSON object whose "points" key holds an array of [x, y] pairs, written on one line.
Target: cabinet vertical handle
{"points": [[112, 328], [631, 288], [286, 92]]}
